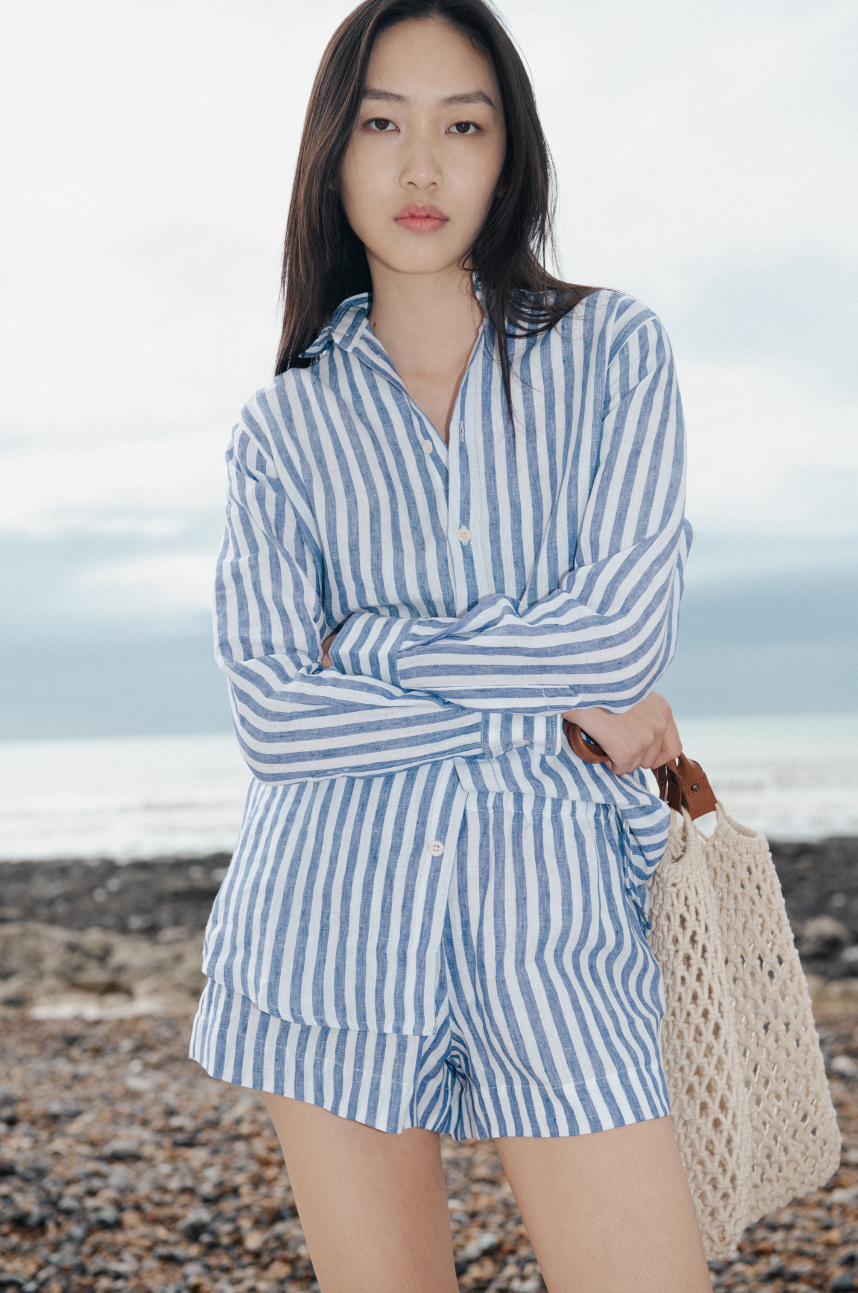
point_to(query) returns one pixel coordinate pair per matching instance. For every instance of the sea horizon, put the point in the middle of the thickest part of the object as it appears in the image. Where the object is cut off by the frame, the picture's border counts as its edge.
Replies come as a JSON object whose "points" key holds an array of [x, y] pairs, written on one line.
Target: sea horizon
{"points": [[795, 777]]}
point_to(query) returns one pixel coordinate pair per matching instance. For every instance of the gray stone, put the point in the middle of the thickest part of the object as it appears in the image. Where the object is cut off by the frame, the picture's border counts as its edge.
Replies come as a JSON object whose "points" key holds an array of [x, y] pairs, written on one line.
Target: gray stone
{"points": [[823, 936], [95, 973], [121, 1149], [476, 1249], [197, 1220]]}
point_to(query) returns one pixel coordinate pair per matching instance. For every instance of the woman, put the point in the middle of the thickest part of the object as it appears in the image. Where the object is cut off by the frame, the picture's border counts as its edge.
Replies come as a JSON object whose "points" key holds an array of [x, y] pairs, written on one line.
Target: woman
{"points": [[454, 524]]}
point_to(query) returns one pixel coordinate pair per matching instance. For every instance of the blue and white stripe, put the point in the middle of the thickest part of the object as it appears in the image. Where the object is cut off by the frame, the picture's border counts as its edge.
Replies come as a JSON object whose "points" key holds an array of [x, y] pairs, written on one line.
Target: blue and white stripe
{"points": [[479, 589], [548, 999]]}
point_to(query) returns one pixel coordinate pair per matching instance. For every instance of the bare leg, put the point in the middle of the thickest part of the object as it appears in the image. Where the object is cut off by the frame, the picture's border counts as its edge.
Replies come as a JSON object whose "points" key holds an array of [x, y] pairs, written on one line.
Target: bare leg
{"points": [[373, 1205], [608, 1212]]}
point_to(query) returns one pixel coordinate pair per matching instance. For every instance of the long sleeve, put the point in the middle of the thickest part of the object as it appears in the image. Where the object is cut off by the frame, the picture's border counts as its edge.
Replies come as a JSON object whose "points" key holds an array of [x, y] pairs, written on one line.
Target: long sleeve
{"points": [[608, 631], [296, 721]]}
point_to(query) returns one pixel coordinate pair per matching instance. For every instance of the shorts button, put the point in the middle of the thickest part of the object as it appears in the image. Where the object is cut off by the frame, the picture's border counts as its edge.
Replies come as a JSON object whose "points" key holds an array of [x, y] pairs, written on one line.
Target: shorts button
{"points": [[436, 848], [427, 446], [519, 742], [463, 534]]}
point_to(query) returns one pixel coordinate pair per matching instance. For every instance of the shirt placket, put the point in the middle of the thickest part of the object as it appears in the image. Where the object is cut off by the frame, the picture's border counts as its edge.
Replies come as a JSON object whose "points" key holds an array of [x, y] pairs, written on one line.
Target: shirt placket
{"points": [[465, 536]]}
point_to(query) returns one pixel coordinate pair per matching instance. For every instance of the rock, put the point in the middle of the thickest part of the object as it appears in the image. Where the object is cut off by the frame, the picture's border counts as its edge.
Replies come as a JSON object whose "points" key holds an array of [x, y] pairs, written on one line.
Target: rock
{"points": [[832, 992], [844, 1066], [196, 1221], [150, 895], [476, 1249], [63, 1109], [121, 1149], [845, 1194], [57, 973], [843, 1282], [823, 936], [196, 1277]]}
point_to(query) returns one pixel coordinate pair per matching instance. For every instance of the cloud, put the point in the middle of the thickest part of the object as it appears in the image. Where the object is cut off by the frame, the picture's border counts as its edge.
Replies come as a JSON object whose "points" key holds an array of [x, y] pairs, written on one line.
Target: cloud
{"points": [[152, 483], [149, 586], [681, 130], [796, 316], [769, 451]]}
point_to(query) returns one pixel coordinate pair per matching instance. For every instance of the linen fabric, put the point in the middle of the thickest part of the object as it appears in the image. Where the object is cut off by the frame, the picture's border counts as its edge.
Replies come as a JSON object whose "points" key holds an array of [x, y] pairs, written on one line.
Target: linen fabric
{"points": [[479, 589], [548, 998]]}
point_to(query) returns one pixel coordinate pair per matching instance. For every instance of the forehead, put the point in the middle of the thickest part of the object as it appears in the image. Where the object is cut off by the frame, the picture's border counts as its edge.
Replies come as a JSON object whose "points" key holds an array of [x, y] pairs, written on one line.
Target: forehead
{"points": [[425, 55]]}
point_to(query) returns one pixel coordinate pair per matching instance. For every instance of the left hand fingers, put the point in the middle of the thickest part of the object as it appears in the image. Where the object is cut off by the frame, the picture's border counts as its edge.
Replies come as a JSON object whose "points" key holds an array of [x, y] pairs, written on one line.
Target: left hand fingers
{"points": [[671, 747]]}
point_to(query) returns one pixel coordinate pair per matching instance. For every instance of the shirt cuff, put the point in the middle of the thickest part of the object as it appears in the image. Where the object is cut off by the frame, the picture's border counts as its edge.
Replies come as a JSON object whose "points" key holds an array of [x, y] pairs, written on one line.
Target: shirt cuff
{"points": [[366, 644], [505, 732]]}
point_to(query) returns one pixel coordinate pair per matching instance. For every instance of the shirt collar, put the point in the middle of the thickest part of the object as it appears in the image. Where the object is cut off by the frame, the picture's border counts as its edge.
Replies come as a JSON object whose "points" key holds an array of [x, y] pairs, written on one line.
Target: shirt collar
{"points": [[343, 326]]}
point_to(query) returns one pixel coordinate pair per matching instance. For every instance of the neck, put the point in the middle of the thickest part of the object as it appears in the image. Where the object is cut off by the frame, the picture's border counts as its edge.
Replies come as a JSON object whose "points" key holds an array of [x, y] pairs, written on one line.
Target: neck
{"points": [[424, 321]]}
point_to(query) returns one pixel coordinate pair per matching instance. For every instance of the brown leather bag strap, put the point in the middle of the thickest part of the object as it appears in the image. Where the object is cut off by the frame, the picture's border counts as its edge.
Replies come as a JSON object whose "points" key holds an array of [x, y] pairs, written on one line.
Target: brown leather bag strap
{"points": [[584, 746], [684, 784]]}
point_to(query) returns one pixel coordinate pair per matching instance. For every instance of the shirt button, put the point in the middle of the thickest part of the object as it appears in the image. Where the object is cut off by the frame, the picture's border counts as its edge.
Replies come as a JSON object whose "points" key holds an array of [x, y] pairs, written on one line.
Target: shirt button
{"points": [[427, 446], [463, 534], [461, 430], [436, 848], [519, 742]]}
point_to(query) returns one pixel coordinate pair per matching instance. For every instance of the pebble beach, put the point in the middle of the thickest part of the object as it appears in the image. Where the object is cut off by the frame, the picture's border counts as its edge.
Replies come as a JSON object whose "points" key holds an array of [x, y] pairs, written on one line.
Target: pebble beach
{"points": [[124, 1167]]}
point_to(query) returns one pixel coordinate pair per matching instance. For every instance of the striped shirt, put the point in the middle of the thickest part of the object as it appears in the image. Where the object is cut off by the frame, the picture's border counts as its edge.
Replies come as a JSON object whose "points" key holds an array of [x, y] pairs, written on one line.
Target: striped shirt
{"points": [[479, 589]]}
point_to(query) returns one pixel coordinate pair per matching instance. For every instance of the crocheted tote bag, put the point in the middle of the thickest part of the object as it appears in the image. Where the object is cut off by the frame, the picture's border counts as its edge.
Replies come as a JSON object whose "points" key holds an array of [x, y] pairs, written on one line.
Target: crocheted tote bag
{"points": [[749, 1097], [750, 1100]]}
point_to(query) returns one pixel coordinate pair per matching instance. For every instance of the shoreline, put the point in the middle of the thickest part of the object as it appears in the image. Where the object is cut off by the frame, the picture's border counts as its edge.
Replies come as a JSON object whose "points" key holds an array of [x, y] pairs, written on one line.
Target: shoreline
{"points": [[102, 940], [149, 895]]}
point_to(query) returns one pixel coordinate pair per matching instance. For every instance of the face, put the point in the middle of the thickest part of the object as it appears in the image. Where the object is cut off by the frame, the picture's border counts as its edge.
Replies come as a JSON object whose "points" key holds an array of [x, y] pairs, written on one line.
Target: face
{"points": [[427, 149]]}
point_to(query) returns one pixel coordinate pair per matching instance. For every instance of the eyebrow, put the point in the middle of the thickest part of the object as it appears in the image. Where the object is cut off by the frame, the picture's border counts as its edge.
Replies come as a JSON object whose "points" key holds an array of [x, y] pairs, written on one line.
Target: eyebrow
{"points": [[471, 96]]}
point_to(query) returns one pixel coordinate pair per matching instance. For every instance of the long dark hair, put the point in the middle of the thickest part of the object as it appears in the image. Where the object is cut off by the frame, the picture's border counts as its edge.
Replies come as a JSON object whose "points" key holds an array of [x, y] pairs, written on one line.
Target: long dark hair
{"points": [[324, 261]]}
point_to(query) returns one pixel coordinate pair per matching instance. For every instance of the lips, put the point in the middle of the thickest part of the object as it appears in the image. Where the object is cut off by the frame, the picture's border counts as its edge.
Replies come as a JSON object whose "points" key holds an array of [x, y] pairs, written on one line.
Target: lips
{"points": [[420, 216]]}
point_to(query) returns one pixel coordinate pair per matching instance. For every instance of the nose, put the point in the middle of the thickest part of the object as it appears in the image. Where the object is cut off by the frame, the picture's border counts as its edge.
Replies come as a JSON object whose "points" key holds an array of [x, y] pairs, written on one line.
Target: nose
{"points": [[421, 165]]}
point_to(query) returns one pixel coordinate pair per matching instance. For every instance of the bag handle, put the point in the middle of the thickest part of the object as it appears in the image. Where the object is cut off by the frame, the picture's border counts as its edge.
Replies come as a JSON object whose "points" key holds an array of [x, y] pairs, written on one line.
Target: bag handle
{"points": [[682, 784], [583, 745]]}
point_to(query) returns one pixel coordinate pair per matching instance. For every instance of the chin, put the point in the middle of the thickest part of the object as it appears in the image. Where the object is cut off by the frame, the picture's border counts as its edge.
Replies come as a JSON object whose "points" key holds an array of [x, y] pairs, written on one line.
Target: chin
{"points": [[416, 259]]}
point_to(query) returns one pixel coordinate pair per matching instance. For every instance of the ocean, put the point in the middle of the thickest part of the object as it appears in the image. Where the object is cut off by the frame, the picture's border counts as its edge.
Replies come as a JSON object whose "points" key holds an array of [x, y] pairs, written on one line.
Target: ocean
{"points": [[795, 778]]}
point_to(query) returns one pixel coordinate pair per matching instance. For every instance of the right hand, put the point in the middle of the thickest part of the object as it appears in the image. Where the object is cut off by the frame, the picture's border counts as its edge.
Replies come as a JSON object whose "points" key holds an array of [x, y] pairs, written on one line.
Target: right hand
{"points": [[645, 736]]}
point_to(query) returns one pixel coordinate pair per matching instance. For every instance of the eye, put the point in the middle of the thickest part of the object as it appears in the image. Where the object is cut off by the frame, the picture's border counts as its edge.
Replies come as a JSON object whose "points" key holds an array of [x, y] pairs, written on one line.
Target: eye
{"points": [[464, 128], [380, 125]]}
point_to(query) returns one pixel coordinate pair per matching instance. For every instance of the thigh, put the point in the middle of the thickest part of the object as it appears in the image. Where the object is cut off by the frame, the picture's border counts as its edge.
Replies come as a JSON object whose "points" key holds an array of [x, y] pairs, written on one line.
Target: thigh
{"points": [[373, 1204], [608, 1211]]}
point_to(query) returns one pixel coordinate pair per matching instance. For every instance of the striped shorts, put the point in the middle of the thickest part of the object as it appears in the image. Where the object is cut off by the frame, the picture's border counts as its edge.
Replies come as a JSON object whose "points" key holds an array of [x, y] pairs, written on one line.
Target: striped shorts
{"points": [[549, 1001]]}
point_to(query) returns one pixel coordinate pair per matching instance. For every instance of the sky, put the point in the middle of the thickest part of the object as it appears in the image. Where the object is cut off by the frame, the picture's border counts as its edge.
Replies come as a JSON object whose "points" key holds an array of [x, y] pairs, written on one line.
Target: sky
{"points": [[705, 159]]}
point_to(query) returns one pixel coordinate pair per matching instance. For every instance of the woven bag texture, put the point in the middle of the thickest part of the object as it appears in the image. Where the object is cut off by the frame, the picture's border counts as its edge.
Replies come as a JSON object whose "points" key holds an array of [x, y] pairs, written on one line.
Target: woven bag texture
{"points": [[795, 1140], [749, 1097], [708, 1100]]}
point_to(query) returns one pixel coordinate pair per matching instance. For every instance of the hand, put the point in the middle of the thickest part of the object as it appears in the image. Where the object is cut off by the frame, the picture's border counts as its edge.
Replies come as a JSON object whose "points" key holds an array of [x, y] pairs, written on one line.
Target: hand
{"points": [[644, 737], [326, 659]]}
